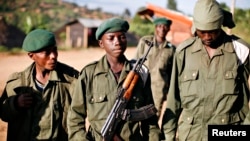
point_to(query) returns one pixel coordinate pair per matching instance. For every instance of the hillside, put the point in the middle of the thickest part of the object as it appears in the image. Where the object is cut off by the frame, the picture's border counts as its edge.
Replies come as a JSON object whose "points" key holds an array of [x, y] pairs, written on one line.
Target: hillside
{"points": [[26, 15], [48, 14]]}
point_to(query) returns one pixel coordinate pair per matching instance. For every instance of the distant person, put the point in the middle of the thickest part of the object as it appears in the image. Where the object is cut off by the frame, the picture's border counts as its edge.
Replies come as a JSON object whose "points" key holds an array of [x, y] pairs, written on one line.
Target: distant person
{"points": [[35, 101], [209, 82], [97, 88], [159, 60]]}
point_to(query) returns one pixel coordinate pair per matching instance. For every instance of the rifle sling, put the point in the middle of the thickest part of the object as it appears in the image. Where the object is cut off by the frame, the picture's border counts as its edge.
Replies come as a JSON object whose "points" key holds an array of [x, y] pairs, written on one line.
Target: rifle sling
{"points": [[142, 113]]}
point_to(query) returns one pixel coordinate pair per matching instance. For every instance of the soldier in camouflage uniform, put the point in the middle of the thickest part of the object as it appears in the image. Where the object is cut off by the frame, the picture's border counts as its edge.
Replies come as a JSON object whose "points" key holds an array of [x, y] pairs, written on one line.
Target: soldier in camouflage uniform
{"points": [[159, 60], [97, 88], [35, 101], [209, 83]]}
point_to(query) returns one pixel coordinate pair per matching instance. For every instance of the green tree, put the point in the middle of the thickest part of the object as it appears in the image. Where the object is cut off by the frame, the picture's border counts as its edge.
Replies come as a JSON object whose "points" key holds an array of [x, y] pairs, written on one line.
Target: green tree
{"points": [[242, 20], [141, 26], [171, 4]]}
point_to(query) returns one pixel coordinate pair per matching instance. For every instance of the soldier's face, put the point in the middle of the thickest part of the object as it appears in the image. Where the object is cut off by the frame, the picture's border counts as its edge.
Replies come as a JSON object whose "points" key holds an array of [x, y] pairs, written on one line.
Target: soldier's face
{"points": [[161, 30], [45, 59], [114, 43], [208, 37]]}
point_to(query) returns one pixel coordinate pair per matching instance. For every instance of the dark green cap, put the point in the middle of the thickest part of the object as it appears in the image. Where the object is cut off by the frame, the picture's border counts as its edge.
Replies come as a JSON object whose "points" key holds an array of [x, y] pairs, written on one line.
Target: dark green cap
{"points": [[111, 25], [38, 39], [162, 21]]}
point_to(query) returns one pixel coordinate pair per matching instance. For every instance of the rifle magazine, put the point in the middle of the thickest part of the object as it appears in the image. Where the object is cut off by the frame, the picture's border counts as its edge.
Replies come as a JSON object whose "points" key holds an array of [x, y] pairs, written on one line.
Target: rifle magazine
{"points": [[142, 113]]}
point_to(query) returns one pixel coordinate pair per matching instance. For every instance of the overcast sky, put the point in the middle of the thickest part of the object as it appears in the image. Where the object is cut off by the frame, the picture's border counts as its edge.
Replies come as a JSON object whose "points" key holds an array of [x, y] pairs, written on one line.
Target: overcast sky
{"points": [[118, 6]]}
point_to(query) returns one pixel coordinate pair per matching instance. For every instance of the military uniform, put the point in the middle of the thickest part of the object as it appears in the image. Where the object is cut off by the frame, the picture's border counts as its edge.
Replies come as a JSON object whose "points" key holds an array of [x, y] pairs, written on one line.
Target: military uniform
{"points": [[209, 82], [94, 97], [159, 61], [46, 120], [207, 91]]}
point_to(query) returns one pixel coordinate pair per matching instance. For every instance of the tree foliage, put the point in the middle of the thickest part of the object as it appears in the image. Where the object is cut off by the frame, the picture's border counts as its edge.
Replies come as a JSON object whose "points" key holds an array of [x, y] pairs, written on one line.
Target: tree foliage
{"points": [[171, 4], [141, 26], [242, 20], [46, 14], [52, 14]]}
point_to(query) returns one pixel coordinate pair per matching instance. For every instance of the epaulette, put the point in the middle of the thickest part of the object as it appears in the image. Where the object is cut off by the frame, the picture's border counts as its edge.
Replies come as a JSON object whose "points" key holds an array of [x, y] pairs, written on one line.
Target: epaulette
{"points": [[14, 76], [69, 70], [92, 64], [185, 43], [148, 37]]}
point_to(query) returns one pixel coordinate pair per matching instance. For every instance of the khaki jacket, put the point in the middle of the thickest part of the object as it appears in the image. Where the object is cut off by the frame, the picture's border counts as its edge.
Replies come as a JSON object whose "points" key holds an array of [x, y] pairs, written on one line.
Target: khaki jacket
{"points": [[94, 97], [46, 120], [159, 63], [206, 91]]}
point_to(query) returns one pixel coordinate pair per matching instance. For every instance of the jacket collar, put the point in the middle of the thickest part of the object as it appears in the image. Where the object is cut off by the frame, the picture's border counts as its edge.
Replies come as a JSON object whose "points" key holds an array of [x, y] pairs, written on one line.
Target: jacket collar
{"points": [[165, 44], [226, 46], [102, 67], [53, 74]]}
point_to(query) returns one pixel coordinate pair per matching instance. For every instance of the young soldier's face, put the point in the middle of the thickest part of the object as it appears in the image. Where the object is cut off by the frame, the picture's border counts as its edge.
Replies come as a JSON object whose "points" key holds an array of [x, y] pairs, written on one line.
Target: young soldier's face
{"points": [[114, 43]]}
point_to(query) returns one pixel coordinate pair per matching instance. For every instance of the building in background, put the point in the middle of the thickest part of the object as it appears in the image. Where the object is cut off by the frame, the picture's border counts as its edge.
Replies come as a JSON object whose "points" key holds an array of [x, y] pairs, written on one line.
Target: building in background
{"points": [[181, 24], [79, 33]]}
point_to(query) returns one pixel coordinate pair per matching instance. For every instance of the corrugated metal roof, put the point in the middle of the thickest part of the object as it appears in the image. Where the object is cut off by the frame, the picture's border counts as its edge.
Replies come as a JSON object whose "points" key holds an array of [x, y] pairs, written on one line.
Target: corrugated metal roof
{"points": [[90, 23]]}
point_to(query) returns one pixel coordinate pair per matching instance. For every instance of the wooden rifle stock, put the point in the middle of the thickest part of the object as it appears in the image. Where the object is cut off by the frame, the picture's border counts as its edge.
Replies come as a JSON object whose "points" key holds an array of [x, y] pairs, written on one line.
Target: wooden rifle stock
{"points": [[124, 96], [129, 84]]}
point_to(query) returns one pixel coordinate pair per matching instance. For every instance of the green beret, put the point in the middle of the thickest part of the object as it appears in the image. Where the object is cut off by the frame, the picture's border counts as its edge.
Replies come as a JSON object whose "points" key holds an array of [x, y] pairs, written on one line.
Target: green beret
{"points": [[162, 21], [38, 39], [111, 25]]}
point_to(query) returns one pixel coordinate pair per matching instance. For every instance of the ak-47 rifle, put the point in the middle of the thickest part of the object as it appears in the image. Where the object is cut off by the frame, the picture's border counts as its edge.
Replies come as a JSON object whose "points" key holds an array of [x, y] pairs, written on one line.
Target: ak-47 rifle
{"points": [[124, 96]]}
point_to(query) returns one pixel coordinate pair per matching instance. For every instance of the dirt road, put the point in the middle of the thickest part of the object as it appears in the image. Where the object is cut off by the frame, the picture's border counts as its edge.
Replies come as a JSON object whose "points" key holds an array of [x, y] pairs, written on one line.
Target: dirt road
{"points": [[75, 58]]}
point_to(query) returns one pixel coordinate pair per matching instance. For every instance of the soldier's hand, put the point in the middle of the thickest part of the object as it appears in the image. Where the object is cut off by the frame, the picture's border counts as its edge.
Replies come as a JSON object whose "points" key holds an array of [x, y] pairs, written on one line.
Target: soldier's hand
{"points": [[24, 100], [117, 138]]}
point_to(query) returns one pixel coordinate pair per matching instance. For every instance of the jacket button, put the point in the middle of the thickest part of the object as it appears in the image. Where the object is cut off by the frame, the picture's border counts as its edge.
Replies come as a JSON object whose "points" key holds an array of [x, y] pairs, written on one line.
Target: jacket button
{"points": [[222, 120]]}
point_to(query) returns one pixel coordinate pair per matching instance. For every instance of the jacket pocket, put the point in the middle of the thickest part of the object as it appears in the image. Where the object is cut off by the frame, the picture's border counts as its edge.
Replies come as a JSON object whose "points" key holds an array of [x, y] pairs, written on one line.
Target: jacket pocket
{"points": [[229, 85], [189, 82], [97, 98], [232, 118], [185, 125], [97, 106]]}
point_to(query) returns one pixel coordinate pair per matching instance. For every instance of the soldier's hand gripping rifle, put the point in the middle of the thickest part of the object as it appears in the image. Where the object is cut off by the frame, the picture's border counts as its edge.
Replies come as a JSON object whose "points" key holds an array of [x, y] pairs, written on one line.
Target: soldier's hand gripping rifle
{"points": [[124, 96]]}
